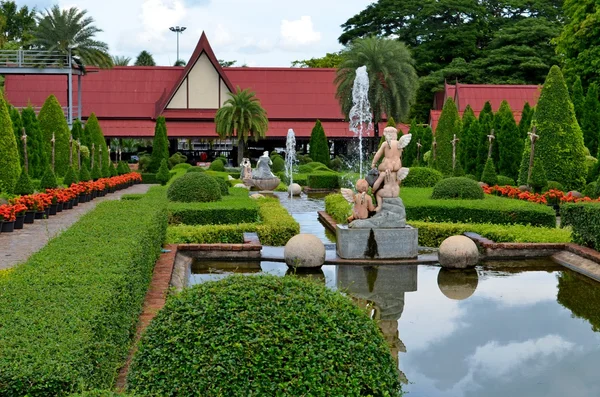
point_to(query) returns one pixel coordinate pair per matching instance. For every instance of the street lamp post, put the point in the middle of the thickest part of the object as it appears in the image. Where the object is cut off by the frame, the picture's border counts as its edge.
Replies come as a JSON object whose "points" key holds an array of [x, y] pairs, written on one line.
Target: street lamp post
{"points": [[177, 29]]}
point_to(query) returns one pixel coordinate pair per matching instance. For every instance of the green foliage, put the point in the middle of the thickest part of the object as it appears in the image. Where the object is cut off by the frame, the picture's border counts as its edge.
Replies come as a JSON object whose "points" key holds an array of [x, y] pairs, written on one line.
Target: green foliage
{"points": [[338, 207], [391, 122], [584, 218], [330, 60], [163, 175], [276, 227], [196, 169], [150, 178], [560, 146], [555, 185], [539, 179], [70, 177], [590, 190], [176, 159], [304, 159], [509, 142], [96, 172], [49, 179], [420, 134], [505, 181], [393, 80], [578, 100], [422, 177], [287, 360], [160, 145], [319, 147], [144, 59], [457, 188], [217, 165], [84, 173], [469, 141], [590, 121], [112, 170], [194, 186], [486, 124], [223, 185], [580, 294], [10, 167], [181, 166], [17, 125], [336, 164], [105, 170], [489, 175], [123, 168], [234, 209], [526, 117], [591, 163], [93, 136], [52, 120], [448, 125], [77, 130], [312, 167], [323, 180], [23, 186], [36, 153], [80, 296], [242, 116]]}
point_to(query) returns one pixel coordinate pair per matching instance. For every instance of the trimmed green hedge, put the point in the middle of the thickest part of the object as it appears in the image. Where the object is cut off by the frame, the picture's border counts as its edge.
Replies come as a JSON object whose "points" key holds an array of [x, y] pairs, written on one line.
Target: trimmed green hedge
{"points": [[422, 177], [263, 336], [68, 314], [276, 227], [457, 188], [584, 218], [223, 185], [151, 178], [323, 180], [194, 187], [236, 208]]}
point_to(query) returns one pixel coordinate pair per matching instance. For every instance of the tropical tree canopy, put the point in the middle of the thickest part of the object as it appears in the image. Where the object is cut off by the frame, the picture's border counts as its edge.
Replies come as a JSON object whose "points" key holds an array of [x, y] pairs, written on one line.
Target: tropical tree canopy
{"points": [[145, 59], [242, 116], [119, 60], [64, 30], [392, 77]]}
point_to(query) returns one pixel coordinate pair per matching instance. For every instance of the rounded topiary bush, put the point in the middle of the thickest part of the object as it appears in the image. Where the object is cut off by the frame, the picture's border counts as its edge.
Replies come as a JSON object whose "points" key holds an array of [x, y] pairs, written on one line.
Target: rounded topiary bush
{"points": [[422, 177], [278, 164], [505, 180], [195, 169], [217, 165], [257, 336], [457, 188], [223, 185], [555, 185], [181, 166], [194, 186]]}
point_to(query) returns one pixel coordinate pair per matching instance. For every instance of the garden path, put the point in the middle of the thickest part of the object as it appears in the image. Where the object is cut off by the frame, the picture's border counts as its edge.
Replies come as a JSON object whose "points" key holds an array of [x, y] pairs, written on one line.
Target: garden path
{"points": [[19, 245]]}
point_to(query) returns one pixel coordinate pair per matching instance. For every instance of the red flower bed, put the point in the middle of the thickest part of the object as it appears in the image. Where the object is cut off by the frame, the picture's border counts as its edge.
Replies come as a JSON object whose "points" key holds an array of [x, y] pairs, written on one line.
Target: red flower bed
{"points": [[552, 196]]}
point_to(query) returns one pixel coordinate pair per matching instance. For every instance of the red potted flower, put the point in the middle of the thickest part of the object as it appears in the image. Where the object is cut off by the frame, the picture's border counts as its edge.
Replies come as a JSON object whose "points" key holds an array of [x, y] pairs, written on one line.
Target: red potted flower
{"points": [[7, 215], [19, 210]]}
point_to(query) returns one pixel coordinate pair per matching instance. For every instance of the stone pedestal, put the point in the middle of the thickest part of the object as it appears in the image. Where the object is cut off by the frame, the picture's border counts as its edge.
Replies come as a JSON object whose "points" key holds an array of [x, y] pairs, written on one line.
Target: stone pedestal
{"points": [[377, 243]]}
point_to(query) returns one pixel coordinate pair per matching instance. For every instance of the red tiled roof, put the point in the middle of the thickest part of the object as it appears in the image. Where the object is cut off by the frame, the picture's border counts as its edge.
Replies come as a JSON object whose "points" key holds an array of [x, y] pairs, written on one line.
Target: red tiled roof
{"points": [[477, 95]]}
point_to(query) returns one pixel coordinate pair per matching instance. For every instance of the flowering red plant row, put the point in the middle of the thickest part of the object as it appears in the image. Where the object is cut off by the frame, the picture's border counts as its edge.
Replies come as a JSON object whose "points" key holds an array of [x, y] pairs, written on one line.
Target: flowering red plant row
{"points": [[40, 201], [552, 196]]}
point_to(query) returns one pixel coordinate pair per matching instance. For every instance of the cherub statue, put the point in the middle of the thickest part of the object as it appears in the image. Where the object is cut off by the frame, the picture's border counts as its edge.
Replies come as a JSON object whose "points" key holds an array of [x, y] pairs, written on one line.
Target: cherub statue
{"points": [[391, 150], [391, 188], [246, 168], [363, 203]]}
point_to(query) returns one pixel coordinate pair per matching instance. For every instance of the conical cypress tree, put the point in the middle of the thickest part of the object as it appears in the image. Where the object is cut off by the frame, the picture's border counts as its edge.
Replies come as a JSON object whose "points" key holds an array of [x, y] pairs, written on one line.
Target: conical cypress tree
{"points": [[10, 166], [526, 117], [36, 152], [578, 99], [489, 175], [96, 172], [163, 175], [77, 130], [409, 154], [509, 142], [84, 173], [539, 179], [560, 145], [319, 147], [467, 144], [49, 179], [52, 120], [17, 123], [106, 170], [123, 168], [448, 125], [590, 121], [93, 134], [112, 169], [486, 124], [23, 186], [70, 177], [160, 145], [470, 147]]}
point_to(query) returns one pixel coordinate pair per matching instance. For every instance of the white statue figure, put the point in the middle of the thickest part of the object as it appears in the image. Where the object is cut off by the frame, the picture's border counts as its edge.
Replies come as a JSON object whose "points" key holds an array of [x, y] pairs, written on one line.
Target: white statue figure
{"points": [[263, 167], [246, 169]]}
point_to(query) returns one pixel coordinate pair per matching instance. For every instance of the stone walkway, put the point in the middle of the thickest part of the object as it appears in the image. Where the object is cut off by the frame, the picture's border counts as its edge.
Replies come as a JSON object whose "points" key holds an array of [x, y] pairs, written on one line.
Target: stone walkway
{"points": [[19, 245]]}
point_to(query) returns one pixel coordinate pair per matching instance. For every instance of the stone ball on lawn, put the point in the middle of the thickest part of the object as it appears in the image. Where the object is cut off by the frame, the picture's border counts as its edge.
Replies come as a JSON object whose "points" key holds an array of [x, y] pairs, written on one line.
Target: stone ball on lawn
{"points": [[525, 188], [304, 250], [294, 189], [575, 193], [256, 196], [242, 186], [458, 252]]}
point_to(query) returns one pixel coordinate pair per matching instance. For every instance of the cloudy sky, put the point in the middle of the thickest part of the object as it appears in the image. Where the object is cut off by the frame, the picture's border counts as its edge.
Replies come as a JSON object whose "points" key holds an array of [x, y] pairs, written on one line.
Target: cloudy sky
{"points": [[257, 32]]}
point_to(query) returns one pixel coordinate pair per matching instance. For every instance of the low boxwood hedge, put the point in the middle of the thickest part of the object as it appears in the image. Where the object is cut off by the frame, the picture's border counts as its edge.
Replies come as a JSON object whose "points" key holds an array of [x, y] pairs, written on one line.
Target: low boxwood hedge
{"points": [[262, 336], [236, 208], [275, 228], [584, 218], [457, 188], [150, 178], [68, 314], [323, 180]]}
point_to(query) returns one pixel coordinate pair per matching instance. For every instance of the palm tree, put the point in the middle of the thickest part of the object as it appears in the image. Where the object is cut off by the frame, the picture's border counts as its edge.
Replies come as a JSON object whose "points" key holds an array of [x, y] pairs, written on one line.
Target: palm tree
{"points": [[242, 116], [119, 60], [180, 62], [393, 81], [145, 59], [64, 30]]}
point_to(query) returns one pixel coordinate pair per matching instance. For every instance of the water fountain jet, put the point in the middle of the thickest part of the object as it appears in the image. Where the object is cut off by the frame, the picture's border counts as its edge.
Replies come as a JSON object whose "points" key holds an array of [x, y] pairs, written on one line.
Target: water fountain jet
{"points": [[360, 114]]}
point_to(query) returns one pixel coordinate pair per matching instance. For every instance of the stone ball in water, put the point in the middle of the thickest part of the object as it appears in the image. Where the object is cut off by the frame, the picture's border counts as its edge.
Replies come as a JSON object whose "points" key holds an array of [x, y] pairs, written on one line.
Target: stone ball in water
{"points": [[294, 189], [458, 284], [458, 252], [304, 250]]}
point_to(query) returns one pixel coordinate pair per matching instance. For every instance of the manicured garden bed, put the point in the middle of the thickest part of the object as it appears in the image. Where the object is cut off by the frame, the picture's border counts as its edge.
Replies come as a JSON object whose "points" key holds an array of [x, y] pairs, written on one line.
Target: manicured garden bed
{"points": [[584, 218]]}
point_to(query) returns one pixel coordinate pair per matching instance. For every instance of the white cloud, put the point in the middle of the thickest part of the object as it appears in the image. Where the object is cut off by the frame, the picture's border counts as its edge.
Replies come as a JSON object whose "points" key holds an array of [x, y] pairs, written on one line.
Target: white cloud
{"points": [[298, 33], [524, 289]]}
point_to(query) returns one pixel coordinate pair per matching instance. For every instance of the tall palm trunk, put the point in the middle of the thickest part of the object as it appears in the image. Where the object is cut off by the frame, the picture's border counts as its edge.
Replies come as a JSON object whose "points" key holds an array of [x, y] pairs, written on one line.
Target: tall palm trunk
{"points": [[240, 153]]}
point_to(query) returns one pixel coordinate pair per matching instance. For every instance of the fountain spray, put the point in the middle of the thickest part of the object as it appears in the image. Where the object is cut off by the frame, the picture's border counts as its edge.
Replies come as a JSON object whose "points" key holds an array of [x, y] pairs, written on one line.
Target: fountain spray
{"points": [[360, 113]]}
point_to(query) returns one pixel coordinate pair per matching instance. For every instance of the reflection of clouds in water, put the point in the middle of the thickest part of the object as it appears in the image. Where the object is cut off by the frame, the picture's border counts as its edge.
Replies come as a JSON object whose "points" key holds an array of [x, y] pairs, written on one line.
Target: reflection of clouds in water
{"points": [[437, 316], [522, 289]]}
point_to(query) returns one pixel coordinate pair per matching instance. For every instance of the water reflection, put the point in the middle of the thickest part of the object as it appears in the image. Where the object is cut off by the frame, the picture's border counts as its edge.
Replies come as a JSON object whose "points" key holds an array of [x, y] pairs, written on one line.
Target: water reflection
{"points": [[458, 284]]}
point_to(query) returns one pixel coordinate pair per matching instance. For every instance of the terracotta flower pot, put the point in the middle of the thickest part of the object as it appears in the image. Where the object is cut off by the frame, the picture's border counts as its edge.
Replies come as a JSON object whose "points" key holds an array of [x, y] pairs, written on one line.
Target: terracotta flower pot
{"points": [[19, 221], [8, 227]]}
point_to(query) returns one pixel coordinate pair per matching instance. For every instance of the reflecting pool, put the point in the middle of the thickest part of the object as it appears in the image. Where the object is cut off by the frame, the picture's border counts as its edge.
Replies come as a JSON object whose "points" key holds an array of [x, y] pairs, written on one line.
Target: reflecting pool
{"points": [[482, 332]]}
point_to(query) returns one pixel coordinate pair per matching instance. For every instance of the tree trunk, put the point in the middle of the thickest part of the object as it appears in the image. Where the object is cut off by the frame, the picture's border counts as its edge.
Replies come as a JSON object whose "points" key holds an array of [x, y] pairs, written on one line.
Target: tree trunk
{"points": [[240, 154]]}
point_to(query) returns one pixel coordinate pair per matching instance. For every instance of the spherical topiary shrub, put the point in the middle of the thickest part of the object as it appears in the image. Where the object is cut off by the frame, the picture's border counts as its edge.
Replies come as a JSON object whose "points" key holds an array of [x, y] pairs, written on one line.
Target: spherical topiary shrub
{"points": [[195, 169], [278, 164], [555, 185], [217, 165], [422, 177], [194, 186], [258, 336], [457, 188], [505, 180], [223, 185]]}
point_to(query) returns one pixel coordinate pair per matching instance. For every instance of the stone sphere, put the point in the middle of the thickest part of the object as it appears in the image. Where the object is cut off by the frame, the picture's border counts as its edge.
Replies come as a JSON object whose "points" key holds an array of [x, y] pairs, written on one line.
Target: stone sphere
{"points": [[525, 188], [256, 196], [458, 252], [458, 284], [294, 189], [575, 194], [304, 250], [241, 186]]}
